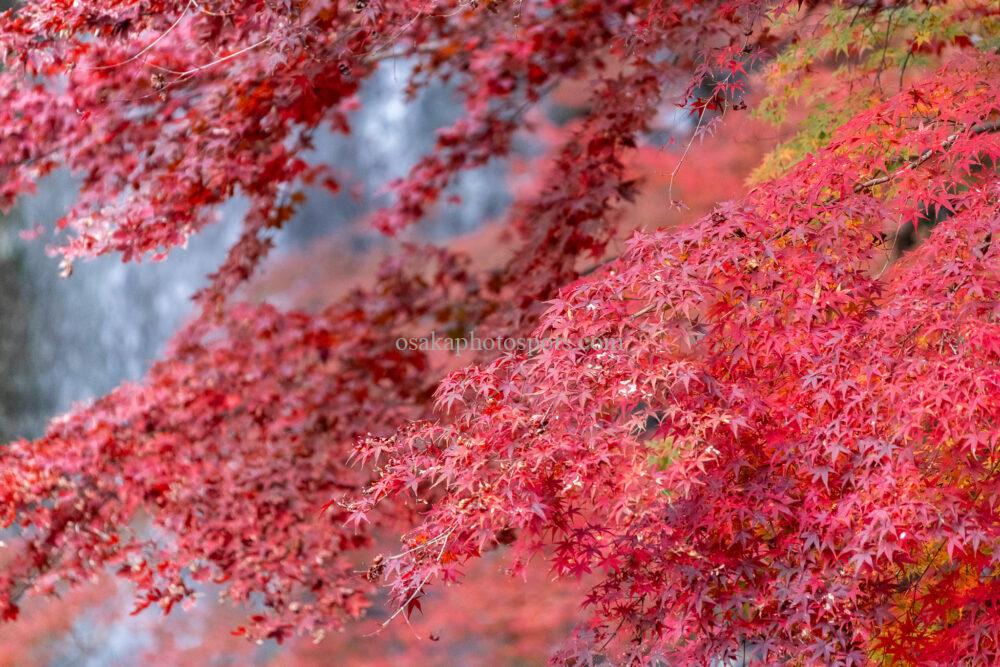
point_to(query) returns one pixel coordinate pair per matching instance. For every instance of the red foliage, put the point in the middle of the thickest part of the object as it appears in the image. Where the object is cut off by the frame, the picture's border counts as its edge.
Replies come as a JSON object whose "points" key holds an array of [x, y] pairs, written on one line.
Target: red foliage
{"points": [[823, 427], [790, 455]]}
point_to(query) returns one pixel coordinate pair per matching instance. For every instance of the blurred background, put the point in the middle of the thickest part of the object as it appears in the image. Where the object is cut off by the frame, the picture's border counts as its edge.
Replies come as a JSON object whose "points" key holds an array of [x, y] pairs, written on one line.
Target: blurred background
{"points": [[68, 340]]}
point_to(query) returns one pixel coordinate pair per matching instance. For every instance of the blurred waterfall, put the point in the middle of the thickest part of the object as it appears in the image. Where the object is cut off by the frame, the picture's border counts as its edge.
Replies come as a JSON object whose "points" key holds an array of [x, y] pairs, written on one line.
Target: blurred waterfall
{"points": [[69, 340], [63, 341]]}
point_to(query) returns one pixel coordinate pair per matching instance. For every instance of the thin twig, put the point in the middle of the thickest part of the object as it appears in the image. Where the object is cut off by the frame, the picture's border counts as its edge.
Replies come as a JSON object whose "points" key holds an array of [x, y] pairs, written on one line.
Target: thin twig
{"points": [[209, 12], [392, 40], [902, 69], [992, 126], [419, 546], [187, 73], [677, 167], [885, 49], [419, 589], [430, 47], [151, 44]]}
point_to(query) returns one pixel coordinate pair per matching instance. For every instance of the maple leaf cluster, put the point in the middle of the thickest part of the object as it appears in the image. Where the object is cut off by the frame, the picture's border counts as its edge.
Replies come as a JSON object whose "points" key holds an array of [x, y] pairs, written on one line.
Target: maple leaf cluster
{"points": [[764, 468], [792, 455]]}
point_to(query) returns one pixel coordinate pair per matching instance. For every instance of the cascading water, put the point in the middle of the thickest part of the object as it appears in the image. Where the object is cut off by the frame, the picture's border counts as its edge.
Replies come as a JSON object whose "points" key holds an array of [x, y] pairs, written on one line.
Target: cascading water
{"points": [[83, 335], [68, 340]]}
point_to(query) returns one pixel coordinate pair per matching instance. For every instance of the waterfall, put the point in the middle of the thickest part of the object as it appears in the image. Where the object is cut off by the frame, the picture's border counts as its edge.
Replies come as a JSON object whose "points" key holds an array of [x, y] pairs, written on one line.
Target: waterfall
{"points": [[65, 340]]}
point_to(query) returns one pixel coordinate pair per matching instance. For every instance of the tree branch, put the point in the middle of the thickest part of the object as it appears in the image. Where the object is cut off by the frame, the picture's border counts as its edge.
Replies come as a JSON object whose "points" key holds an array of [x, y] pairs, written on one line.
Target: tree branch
{"points": [[991, 126]]}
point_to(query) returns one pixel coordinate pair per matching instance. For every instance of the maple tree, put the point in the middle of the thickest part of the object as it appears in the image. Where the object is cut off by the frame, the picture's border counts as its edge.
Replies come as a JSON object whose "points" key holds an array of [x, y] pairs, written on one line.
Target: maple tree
{"points": [[792, 455]]}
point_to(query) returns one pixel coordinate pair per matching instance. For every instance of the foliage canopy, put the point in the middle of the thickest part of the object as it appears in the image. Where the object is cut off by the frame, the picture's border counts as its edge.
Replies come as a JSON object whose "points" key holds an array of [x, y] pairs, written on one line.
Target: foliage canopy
{"points": [[793, 456]]}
